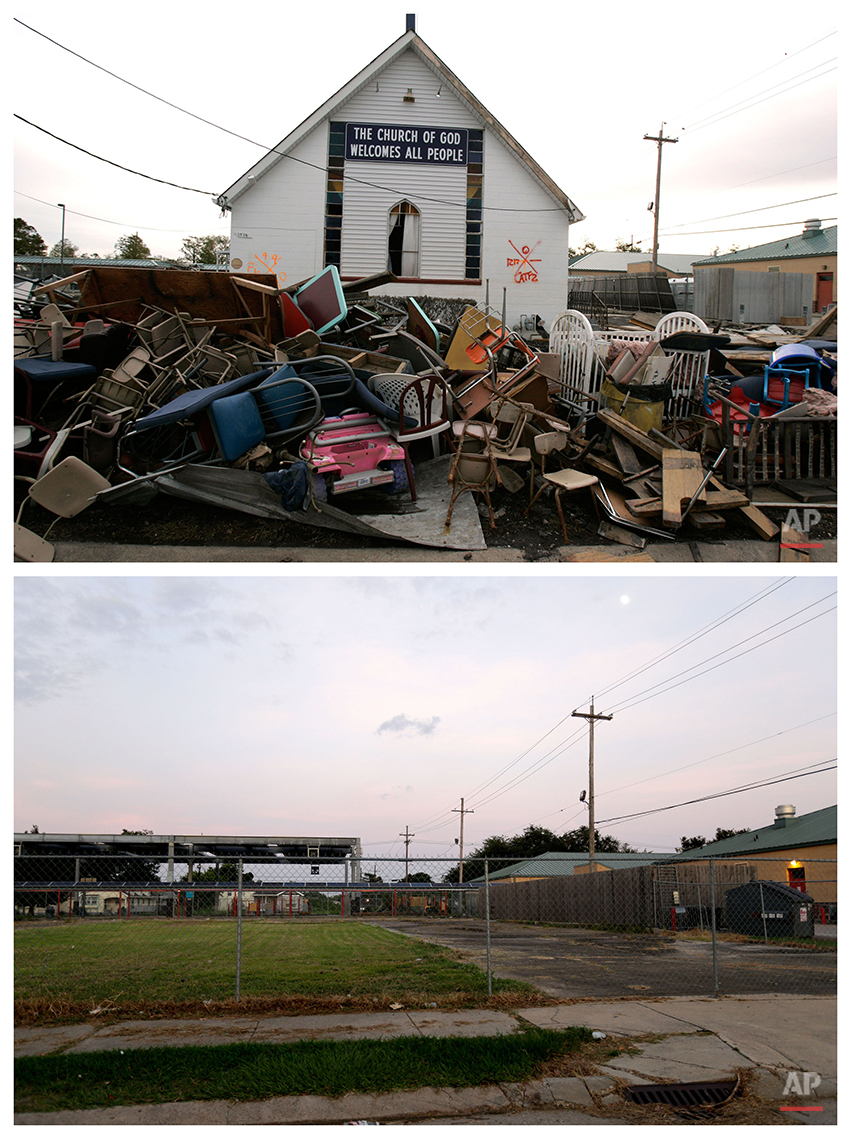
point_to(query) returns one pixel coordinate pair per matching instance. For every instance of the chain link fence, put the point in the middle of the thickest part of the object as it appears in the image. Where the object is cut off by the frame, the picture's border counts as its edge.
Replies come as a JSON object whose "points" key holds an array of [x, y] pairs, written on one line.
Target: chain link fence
{"points": [[202, 931]]}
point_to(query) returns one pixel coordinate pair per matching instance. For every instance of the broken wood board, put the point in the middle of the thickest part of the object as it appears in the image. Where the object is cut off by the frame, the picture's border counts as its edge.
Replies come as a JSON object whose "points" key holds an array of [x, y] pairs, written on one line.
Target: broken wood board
{"points": [[791, 542], [210, 296], [682, 475], [706, 520], [635, 435], [422, 523], [615, 507], [620, 534], [809, 490], [759, 522], [629, 462]]}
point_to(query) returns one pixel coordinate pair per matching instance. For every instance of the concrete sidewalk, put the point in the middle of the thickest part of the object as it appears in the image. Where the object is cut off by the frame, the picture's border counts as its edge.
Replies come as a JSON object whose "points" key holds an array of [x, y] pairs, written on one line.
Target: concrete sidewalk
{"points": [[685, 553], [776, 1038]]}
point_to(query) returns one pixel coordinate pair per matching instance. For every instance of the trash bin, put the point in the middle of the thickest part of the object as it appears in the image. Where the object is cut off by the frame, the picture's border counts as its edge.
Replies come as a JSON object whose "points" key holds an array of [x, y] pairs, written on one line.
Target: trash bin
{"points": [[769, 909], [642, 405]]}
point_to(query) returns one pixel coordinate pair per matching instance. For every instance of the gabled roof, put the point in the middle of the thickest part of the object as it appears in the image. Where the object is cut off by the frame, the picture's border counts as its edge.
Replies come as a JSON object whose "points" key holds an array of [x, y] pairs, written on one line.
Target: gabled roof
{"points": [[818, 828], [820, 243], [602, 261], [409, 41], [557, 864]]}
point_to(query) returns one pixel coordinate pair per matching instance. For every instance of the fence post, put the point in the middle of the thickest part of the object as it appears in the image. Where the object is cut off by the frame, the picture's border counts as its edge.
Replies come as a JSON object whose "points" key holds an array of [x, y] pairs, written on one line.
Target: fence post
{"points": [[762, 911], [715, 992], [488, 928], [239, 928]]}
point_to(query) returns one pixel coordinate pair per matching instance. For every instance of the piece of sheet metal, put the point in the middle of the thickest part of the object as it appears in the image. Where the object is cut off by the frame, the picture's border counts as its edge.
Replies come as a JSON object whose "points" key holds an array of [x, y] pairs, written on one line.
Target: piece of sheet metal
{"points": [[425, 525]]}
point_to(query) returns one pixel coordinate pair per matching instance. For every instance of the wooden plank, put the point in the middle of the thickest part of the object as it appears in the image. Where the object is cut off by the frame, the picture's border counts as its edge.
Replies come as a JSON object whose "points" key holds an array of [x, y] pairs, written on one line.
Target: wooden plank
{"points": [[626, 456], [721, 500], [644, 507], [707, 520], [682, 474], [635, 435], [604, 466], [620, 534], [788, 539], [51, 285], [759, 522]]}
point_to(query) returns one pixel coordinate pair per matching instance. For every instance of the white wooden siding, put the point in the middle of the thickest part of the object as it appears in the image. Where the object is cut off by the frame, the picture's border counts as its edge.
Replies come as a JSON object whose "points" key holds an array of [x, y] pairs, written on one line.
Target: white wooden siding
{"points": [[386, 104], [438, 192]]}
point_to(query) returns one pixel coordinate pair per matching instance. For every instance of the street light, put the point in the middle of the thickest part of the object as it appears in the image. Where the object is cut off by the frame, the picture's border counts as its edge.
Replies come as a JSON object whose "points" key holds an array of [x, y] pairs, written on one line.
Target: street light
{"points": [[62, 245]]}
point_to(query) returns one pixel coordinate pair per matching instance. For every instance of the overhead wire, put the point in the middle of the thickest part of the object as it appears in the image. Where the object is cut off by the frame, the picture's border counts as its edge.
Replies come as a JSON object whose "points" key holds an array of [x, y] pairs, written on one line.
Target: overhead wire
{"points": [[649, 693], [243, 138], [737, 108], [711, 626], [802, 773], [106, 221], [756, 75], [632, 702]]}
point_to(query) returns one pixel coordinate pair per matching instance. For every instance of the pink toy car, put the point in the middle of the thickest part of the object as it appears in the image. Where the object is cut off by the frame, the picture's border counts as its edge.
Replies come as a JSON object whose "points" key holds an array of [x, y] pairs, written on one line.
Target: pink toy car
{"points": [[354, 451]]}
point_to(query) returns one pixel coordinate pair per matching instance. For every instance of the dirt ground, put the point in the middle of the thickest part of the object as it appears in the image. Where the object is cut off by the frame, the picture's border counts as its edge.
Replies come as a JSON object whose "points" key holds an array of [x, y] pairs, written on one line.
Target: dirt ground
{"points": [[172, 521]]}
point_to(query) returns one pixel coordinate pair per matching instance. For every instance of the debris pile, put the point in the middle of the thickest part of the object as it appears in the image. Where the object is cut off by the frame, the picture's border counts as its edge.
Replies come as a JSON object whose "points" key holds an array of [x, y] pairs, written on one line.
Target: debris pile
{"points": [[323, 405]]}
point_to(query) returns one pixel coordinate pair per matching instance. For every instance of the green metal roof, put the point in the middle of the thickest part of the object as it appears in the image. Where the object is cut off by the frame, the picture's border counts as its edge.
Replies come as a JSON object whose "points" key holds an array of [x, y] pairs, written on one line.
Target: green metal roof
{"points": [[818, 828], [821, 243]]}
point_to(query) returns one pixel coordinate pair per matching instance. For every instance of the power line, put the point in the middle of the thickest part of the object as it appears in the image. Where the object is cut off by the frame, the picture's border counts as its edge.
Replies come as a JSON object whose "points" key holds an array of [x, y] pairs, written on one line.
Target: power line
{"points": [[624, 706], [648, 694], [707, 759], [756, 75], [745, 228], [719, 795], [737, 108], [106, 221], [127, 169], [756, 210], [702, 632], [252, 142]]}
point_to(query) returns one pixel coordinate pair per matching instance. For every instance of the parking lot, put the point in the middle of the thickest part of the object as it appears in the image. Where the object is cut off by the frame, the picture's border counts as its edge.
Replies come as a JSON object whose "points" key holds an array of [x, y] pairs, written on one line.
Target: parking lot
{"points": [[572, 964]]}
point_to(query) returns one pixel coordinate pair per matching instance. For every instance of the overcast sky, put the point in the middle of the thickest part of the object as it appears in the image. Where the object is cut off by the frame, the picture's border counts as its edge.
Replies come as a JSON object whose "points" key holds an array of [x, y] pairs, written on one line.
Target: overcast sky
{"points": [[361, 706], [748, 90]]}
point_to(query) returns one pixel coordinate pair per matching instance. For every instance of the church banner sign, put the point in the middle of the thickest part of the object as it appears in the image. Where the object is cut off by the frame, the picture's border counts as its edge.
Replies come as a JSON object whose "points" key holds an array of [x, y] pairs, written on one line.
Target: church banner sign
{"points": [[383, 142]]}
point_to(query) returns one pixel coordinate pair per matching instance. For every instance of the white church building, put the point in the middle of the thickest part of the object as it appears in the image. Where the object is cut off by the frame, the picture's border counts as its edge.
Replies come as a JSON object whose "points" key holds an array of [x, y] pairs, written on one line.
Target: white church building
{"points": [[403, 169]]}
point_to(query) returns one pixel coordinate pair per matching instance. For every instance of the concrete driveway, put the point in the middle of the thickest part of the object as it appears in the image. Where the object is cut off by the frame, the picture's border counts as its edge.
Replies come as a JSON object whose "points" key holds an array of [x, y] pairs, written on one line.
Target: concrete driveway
{"points": [[578, 964]]}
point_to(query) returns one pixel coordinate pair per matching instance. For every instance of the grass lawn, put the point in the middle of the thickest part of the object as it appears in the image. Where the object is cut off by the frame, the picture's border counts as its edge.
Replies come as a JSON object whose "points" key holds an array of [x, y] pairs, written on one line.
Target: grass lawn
{"points": [[259, 1071], [68, 969]]}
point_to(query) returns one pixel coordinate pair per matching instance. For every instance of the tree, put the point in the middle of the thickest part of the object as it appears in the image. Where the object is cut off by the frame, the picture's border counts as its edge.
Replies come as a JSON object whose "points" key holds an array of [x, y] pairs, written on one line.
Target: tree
{"points": [[66, 249], [28, 241], [628, 246], [203, 250], [693, 843], [132, 248], [697, 841], [586, 247], [531, 843]]}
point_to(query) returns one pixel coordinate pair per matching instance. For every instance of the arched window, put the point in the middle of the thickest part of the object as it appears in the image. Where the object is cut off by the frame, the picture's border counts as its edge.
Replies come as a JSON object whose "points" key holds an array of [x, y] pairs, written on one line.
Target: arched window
{"points": [[403, 242]]}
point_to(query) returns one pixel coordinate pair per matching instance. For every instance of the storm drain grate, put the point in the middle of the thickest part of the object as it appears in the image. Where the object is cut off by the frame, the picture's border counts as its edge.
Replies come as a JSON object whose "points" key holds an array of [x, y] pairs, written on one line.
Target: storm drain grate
{"points": [[683, 1095]]}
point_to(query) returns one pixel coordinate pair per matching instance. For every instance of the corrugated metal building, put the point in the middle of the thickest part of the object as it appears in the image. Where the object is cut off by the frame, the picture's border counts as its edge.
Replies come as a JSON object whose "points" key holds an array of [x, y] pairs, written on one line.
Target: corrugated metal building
{"points": [[404, 169]]}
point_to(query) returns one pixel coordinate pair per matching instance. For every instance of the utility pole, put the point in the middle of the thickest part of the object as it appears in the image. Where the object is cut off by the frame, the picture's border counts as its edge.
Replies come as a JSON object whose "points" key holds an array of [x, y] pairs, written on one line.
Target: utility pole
{"points": [[407, 837], [658, 139], [462, 813], [62, 241], [591, 717]]}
